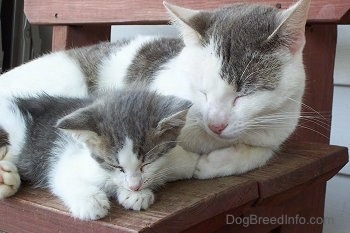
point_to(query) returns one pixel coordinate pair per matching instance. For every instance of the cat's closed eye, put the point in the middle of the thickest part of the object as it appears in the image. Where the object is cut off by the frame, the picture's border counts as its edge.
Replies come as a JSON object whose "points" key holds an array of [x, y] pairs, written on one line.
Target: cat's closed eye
{"points": [[143, 166], [235, 99]]}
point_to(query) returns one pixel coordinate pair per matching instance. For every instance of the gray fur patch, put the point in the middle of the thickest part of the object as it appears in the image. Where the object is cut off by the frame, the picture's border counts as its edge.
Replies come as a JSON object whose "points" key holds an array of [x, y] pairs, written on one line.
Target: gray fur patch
{"points": [[134, 114], [113, 116], [150, 58], [239, 34], [41, 115], [89, 58], [4, 139]]}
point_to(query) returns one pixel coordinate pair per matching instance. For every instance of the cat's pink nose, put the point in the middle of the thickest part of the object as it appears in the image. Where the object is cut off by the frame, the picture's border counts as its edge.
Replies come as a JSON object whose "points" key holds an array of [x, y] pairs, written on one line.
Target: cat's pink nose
{"points": [[217, 128], [135, 187]]}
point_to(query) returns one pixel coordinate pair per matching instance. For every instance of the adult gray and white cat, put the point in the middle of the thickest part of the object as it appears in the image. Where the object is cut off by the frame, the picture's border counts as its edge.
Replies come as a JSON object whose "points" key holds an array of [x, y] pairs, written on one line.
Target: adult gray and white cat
{"points": [[240, 65], [121, 145]]}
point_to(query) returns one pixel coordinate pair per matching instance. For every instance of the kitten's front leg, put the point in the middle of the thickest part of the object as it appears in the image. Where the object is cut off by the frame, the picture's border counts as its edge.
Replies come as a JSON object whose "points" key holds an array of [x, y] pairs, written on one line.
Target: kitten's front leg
{"points": [[85, 201], [233, 160], [75, 180], [135, 200]]}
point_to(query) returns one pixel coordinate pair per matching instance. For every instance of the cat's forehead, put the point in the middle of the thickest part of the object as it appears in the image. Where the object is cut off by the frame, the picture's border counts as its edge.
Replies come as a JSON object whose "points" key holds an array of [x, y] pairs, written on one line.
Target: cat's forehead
{"points": [[237, 35], [244, 25]]}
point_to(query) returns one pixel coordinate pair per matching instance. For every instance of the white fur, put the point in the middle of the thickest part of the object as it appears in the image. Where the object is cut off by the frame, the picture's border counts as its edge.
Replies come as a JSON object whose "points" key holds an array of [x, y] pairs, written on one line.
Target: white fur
{"points": [[140, 200], [76, 168], [12, 122], [76, 180], [54, 74], [114, 68], [194, 75], [232, 160], [128, 160]]}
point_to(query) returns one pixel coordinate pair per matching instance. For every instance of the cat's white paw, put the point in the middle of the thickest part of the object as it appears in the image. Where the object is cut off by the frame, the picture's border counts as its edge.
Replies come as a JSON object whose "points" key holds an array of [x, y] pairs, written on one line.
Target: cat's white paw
{"points": [[136, 200], [9, 179], [215, 164], [92, 206]]}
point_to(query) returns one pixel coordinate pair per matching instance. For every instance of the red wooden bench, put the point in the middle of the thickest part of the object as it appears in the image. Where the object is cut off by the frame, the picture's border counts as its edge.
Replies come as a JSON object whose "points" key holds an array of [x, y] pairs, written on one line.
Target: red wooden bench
{"points": [[292, 184]]}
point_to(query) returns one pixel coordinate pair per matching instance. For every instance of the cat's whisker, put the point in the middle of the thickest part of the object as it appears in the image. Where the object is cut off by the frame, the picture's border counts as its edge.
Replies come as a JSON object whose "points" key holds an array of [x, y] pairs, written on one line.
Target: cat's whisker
{"points": [[268, 126], [164, 143], [280, 118], [308, 107]]}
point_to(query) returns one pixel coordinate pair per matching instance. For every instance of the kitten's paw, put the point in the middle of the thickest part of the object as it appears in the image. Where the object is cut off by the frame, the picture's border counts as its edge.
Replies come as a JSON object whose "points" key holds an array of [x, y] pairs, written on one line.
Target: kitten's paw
{"points": [[90, 207], [136, 200], [9, 179]]}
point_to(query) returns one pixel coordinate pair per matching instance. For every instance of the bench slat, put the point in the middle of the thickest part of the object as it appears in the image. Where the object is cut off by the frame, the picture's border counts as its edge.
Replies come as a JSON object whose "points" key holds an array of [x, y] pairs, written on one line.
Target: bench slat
{"points": [[55, 12]]}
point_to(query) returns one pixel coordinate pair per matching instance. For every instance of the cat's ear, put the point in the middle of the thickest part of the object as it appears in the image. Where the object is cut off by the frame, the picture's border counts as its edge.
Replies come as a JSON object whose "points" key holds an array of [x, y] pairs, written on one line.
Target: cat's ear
{"points": [[182, 19], [82, 125], [291, 25], [175, 122]]}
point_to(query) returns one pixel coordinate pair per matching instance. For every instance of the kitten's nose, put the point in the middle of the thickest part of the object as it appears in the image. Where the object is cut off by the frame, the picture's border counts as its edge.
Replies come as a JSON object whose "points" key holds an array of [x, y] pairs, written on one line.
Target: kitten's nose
{"points": [[135, 187], [217, 128]]}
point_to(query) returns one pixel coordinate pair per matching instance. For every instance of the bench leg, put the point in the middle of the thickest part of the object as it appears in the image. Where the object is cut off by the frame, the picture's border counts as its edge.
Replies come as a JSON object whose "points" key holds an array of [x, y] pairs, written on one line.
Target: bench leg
{"points": [[65, 37]]}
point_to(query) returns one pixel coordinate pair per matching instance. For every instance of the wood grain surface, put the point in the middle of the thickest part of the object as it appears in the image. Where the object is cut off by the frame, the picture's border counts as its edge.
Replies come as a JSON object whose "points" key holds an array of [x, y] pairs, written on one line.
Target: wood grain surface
{"points": [[153, 12], [188, 204]]}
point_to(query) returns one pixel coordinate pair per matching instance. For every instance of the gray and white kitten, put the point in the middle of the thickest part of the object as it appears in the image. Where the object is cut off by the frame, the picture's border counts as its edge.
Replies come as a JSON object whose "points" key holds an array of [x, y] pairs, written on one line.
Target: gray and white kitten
{"points": [[121, 145], [240, 65]]}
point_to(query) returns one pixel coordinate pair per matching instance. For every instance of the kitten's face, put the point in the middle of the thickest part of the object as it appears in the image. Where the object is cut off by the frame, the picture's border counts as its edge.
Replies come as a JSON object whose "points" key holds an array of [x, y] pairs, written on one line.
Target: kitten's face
{"points": [[128, 132], [245, 65], [133, 169]]}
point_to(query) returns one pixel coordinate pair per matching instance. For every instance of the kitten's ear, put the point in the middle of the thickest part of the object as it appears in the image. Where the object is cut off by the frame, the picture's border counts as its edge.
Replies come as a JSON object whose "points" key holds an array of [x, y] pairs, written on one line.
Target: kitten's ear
{"points": [[81, 125], [176, 121], [292, 25], [181, 18]]}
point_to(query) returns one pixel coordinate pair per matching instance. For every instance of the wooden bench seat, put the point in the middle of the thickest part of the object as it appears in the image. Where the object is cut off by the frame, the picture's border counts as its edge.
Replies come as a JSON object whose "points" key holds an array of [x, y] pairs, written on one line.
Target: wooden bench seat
{"points": [[283, 187], [292, 184]]}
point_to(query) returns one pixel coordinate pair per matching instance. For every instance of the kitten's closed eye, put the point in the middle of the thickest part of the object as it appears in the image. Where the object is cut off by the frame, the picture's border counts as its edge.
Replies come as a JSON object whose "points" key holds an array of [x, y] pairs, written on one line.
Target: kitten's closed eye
{"points": [[117, 167]]}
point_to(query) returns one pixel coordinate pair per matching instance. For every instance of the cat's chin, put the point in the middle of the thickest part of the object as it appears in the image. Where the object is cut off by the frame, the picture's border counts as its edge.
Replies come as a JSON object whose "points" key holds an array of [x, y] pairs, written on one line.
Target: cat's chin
{"points": [[223, 137]]}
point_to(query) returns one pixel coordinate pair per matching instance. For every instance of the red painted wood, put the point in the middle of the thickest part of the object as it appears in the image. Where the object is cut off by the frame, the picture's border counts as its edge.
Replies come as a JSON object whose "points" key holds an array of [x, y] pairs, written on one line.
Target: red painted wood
{"points": [[293, 183], [152, 11], [65, 37], [319, 57]]}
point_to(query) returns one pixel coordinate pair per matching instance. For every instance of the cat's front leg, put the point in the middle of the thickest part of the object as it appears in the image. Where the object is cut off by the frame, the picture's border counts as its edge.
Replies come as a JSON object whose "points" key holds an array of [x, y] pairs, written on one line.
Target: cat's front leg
{"points": [[135, 200], [9, 179], [233, 160]]}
